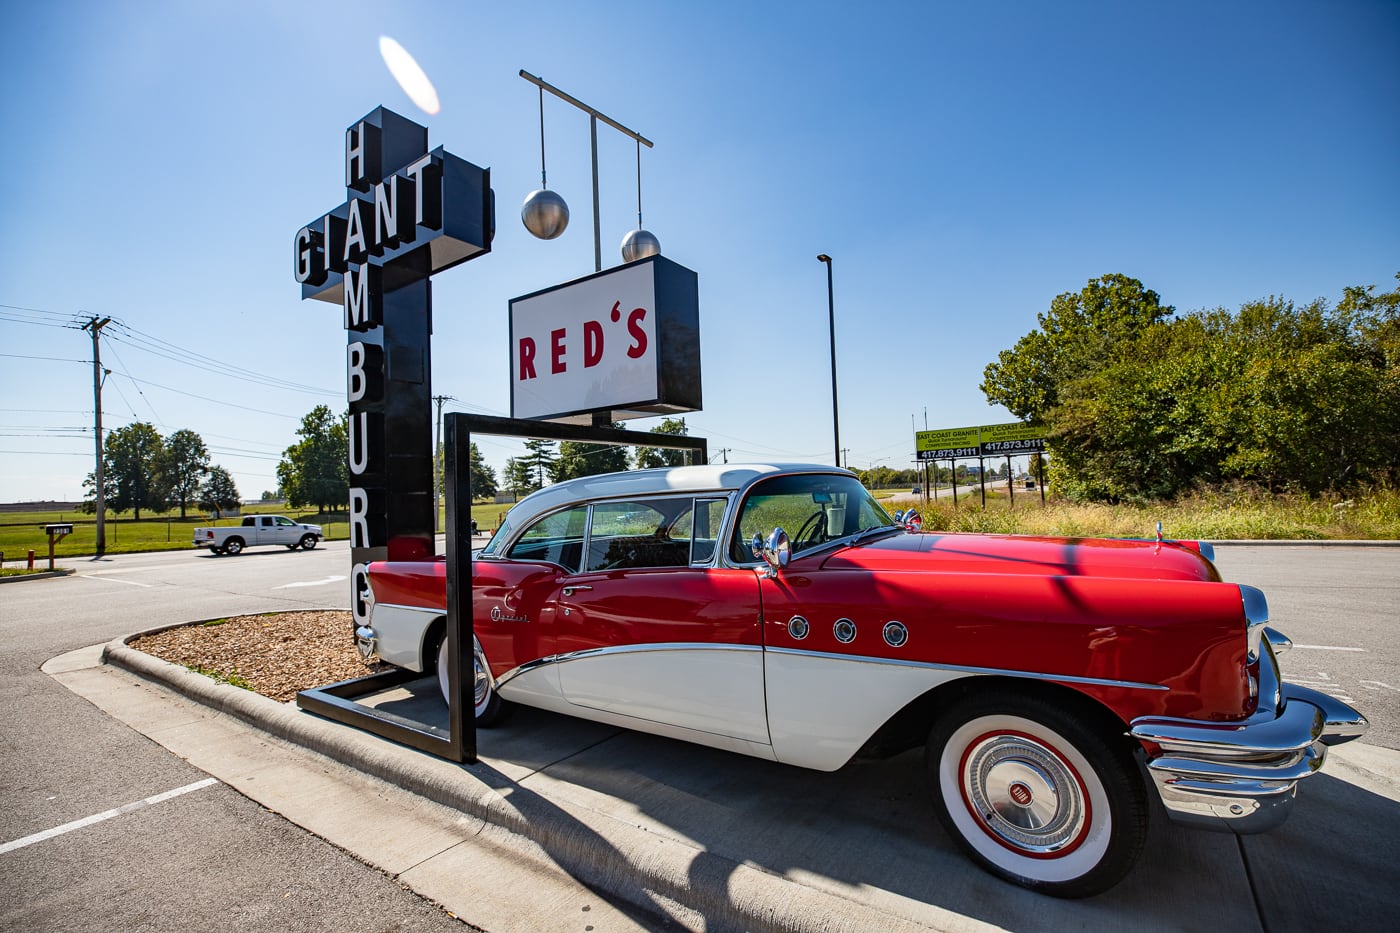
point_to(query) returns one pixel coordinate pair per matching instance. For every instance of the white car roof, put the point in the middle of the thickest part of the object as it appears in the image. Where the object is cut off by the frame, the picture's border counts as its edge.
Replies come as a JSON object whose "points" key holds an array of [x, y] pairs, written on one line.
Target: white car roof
{"points": [[686, 480]]}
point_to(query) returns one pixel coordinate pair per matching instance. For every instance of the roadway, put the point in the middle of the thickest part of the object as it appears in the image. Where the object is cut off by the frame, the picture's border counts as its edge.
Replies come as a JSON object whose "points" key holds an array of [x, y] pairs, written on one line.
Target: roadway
{"points": [[209, 858], [213, 858]]}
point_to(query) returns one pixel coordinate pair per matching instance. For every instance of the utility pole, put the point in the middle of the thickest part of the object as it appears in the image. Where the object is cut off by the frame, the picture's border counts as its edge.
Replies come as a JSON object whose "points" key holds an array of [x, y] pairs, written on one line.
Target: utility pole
{"points": [[722, 452], [437, 464], [845, 458], [96, 326]]}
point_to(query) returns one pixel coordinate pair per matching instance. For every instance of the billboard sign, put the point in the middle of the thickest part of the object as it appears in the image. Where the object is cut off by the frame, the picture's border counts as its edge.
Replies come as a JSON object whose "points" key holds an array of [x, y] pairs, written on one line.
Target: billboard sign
{"points": [[987, 440], [1014, 438], [947, 444]]}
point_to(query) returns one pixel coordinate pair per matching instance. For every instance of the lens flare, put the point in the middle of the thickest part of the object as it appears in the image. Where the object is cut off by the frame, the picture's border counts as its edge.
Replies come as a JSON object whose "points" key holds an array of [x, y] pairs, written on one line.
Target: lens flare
{"points": [[410, 76]]}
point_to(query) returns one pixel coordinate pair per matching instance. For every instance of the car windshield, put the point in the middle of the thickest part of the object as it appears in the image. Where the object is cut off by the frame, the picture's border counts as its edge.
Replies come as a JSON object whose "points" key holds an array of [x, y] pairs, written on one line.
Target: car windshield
{"points": [[813, 509]]}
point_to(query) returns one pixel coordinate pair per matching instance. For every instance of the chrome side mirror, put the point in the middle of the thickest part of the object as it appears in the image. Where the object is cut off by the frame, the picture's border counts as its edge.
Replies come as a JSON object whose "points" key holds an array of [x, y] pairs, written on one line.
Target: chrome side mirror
{"points": [[776, 551]]}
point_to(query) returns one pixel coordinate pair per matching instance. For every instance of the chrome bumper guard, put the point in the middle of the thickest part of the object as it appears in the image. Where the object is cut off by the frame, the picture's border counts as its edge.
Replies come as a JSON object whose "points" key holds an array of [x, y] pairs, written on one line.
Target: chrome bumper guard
{"points": [[367, 642], [1242, 777]]}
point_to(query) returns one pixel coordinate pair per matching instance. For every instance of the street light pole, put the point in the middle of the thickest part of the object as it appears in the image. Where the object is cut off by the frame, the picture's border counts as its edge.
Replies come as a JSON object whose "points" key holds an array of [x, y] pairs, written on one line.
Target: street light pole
{"points": [[831, 320]]}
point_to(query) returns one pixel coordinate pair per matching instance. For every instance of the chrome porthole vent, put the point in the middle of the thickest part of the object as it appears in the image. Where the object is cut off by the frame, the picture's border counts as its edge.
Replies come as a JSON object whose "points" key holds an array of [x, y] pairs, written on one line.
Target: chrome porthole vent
{"points": [[798, 627], [896, 634], [845, 631]]}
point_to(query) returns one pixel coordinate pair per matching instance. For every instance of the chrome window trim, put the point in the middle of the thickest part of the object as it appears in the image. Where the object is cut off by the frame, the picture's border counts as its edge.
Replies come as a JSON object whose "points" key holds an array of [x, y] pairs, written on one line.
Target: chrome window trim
{"points": [[423, 609], [964, 669], [619, 649]]}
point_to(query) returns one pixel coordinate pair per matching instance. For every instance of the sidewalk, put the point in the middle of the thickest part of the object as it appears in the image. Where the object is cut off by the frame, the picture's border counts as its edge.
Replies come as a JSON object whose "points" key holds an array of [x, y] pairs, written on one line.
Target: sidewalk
{"points": [[570, 825]]}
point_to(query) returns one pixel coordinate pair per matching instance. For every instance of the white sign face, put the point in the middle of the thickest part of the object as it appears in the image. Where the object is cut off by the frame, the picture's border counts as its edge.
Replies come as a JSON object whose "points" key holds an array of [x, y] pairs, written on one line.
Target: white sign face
{"points": [[587, 346]]}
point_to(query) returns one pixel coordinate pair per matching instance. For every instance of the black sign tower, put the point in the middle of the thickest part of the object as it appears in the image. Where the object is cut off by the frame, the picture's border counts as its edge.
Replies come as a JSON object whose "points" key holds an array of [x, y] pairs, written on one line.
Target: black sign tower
{"points": [[409, 212]]}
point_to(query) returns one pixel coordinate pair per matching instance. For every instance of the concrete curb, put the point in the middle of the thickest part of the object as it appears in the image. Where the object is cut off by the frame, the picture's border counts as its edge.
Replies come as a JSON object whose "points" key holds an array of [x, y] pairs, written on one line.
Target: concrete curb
{"points": [[1303, 542], [623, 860], [41, 575]]}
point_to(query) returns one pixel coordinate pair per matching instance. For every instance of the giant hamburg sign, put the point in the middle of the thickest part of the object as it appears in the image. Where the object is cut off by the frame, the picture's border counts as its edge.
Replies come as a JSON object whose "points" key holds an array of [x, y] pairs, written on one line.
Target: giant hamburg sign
{"points": [[408, 213]]}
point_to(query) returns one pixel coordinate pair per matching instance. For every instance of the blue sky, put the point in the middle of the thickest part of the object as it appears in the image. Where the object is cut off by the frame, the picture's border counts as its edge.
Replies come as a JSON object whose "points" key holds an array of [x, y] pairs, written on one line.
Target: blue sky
{"points": [[962, 164]]}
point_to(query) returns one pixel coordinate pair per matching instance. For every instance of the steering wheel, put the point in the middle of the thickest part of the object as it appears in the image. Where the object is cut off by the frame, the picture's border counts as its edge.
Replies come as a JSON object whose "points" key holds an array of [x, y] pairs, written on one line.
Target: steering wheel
{"points": [[816, 525]]}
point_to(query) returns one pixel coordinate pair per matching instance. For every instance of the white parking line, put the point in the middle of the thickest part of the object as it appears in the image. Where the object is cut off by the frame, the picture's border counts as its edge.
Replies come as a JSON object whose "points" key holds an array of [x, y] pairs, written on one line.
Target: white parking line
{"points": [[146, 569], [333, 578], [89, 576], [1328, 648], [105, 815]]}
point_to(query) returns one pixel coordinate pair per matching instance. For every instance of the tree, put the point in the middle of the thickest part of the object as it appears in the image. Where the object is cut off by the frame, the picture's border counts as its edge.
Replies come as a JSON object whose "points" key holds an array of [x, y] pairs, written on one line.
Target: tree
{"points": [[186, 463], [218, 494], [581, 459], [1276, 394], [541, 458], [132, 462], [483, 477], [661, 457], [1080, 333], [314, 471], [520, 476]]}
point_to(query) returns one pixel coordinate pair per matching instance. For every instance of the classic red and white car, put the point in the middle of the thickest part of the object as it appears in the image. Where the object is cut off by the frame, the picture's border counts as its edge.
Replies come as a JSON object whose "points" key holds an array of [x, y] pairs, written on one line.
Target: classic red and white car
{"points": [[1034, 670]]}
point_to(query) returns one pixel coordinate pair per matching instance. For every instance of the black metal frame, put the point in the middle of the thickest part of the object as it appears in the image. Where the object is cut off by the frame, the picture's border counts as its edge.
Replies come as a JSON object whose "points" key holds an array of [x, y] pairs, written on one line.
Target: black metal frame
{"points": [[337, 702]]}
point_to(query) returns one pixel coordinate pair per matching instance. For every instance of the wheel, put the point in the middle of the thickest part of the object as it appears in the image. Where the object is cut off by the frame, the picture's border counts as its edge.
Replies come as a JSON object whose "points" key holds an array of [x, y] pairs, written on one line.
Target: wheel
{"points": [[490, 708], [307, 542], [812, 532], [1037, 795], [233, 546]]}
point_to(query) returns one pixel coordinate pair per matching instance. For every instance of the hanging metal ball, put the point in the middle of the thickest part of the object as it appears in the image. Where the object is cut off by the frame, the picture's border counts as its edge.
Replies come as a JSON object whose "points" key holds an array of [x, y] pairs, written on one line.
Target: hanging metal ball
{"points": [[544, 214], [639, 244]]}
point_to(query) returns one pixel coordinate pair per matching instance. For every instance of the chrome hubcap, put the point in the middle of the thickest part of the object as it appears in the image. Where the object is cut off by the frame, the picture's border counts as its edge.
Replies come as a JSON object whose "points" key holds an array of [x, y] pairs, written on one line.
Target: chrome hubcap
{"points": [[1024, 794], [481, 686]]}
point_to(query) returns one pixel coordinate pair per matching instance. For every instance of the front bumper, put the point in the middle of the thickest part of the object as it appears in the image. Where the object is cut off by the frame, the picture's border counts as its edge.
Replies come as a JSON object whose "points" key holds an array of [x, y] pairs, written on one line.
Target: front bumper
{"points": [[1242, 777]]}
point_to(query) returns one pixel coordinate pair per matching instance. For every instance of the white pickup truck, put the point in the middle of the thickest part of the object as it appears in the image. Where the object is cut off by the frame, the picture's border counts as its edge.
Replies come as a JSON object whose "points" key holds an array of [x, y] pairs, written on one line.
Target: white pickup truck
{"points": [[258, 529]]}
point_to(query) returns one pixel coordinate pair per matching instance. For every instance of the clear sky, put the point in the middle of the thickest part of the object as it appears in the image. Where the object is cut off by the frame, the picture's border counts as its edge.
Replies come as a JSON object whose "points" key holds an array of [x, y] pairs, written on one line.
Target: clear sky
{"points": [[962, 164]]}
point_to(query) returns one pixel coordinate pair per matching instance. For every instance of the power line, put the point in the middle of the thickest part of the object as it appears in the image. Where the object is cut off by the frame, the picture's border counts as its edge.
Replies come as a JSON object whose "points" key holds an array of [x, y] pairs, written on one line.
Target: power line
{"points": [[53, 359], [149, 343], [205, 398]]}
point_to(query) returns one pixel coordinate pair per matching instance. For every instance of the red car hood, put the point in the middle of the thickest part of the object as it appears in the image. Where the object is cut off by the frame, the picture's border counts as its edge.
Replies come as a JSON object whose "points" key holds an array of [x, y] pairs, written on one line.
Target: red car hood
{"points": [[1017, 554]]}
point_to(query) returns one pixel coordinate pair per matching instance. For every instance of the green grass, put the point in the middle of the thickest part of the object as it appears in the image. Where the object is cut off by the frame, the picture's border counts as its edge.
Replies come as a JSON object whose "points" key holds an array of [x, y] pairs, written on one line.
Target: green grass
{"points": [[1220, 515], [232, 678], [1226, 514], [165, 531], [23, 531]]}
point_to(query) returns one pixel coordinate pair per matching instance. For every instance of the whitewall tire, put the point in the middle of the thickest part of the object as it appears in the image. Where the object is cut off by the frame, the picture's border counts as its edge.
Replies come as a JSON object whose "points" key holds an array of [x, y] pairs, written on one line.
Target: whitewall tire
{"points": [[1036, 795], [490, 708]]}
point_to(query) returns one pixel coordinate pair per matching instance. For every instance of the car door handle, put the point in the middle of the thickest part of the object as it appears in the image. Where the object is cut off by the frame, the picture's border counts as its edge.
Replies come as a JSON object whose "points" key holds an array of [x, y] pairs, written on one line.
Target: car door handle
{"points": [[571, 590]]}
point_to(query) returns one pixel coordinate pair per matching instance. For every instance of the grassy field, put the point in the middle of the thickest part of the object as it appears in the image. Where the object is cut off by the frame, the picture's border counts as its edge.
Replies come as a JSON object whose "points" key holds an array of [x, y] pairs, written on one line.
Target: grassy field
{"points": [[22, 531], [1217, 516], [1227, 515]]}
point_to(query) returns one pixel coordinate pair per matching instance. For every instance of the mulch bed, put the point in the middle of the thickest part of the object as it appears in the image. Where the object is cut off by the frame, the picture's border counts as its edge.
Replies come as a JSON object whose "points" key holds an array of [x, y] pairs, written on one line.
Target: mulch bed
{"points": [[276, 654]]}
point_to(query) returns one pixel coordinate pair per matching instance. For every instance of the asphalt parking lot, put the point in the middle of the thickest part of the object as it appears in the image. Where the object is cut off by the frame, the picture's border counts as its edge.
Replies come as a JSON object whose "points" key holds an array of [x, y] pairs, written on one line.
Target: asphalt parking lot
{"points": [[566, 824]]}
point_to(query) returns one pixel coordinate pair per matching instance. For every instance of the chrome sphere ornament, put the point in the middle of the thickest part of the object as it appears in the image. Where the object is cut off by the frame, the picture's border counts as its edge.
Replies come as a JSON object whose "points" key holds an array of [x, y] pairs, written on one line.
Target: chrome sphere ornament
{"points": [[639, 244], [544, 214]]}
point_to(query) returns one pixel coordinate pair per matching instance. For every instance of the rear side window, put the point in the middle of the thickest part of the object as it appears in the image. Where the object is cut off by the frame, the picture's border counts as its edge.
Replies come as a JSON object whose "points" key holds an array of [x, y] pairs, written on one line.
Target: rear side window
{"points": [[637, 533]]}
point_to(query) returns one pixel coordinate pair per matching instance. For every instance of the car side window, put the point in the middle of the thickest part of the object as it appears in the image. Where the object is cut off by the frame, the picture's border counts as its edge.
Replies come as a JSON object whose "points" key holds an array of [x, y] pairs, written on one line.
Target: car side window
{"points": [[556, 538], [285, 522], [703, 529], [640, 533]]}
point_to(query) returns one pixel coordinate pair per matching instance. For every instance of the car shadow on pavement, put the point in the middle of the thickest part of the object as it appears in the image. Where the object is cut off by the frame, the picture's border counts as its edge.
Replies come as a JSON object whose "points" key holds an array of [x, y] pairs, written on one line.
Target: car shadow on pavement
{"points": [[866, 832]]}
